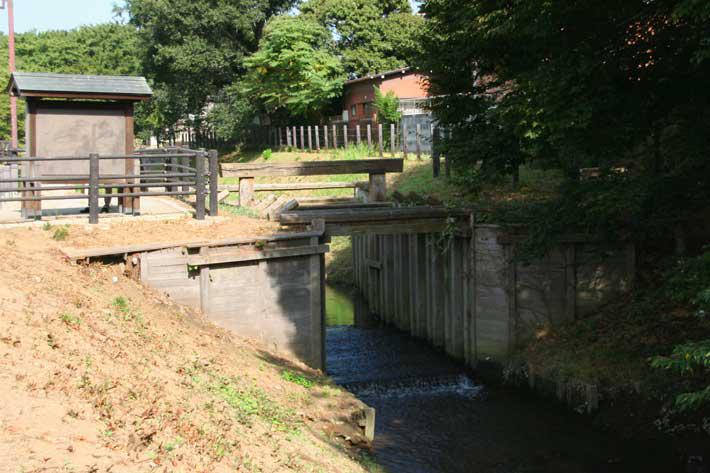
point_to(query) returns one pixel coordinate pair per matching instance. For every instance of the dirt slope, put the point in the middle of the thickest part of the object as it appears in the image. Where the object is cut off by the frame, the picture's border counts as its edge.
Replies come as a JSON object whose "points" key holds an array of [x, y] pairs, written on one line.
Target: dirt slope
{"points": [[100, 374]]}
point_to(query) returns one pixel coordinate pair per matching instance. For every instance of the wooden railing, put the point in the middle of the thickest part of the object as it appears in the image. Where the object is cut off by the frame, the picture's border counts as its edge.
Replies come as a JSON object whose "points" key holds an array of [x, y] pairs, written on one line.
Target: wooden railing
{"points": [[179, 172]]}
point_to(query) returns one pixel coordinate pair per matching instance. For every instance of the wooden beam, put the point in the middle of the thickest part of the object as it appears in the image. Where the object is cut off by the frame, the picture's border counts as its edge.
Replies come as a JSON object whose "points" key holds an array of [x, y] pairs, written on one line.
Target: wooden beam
{"points": [[313, 168], [370, 215], [76, 254], [237, 255]]}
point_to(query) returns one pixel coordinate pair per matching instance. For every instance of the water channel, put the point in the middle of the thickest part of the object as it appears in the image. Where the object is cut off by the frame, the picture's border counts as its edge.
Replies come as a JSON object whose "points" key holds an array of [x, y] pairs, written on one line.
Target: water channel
{"points": [[433, 415]]}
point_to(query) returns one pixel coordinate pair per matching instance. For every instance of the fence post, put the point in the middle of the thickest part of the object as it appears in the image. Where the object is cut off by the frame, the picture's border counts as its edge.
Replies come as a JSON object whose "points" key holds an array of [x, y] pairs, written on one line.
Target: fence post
{"points": [[200, 186], [447, 163], [345, 136], [369, 138], [379, 140], [303, 141], [435, 154], [310, 139], [171, 168], [214, 182], [393, 139], [93, 188], [288, 137], [335, 137], [357, 138], [317, 138], [294, 138], [404, 140], [418, 131], [281, 142], [325, 136]]}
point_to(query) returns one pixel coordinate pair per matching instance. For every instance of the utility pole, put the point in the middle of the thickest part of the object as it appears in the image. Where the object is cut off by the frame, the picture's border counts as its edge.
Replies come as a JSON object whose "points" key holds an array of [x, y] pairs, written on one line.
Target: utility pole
{"points": [[11, 47]]}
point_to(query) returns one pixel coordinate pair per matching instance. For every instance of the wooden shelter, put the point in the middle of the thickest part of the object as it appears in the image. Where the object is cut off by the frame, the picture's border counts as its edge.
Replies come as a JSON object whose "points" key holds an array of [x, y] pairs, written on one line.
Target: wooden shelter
{"points": [[76, 115]]}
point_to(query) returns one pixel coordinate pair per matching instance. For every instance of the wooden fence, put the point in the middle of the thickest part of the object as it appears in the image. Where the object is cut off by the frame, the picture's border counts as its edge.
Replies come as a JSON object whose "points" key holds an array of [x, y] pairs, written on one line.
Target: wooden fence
{"points": [[179, 171], [380, 139]]}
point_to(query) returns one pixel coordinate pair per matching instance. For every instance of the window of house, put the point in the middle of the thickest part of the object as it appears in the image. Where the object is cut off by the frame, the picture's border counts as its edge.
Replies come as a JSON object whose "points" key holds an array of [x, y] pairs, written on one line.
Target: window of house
{"points": [[368, 109], [353, 111]]}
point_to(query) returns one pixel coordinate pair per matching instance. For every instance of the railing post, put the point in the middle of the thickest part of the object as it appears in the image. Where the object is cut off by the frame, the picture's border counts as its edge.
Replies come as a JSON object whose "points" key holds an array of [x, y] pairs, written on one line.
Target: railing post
{"points": [[345, 136], [418, 131], [214, 182], [357, 138], [335, 137], [93, 188], [404, 140], [200, 185]]}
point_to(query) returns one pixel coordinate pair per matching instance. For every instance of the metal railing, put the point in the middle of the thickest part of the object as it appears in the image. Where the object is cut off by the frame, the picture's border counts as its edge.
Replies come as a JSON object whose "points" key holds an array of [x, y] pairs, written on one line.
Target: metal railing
{"points": [[180, 172]]}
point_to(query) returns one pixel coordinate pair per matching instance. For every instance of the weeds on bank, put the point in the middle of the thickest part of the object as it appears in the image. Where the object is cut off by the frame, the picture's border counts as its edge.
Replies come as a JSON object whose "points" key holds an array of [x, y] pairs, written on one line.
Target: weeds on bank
{"points": [[299, 379], [60, 234]]}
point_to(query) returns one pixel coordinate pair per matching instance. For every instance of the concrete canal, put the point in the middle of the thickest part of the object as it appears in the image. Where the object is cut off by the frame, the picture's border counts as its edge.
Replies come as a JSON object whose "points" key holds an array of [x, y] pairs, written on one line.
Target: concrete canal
{"points": [[434, 416]]}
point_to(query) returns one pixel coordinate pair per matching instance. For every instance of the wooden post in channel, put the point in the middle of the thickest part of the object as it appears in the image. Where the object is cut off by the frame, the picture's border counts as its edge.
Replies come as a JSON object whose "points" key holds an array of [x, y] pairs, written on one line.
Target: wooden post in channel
{"points": [[418, 137], [317, 139], [393, 139], [310, 139], [214, 181], [379, 140], [404, 140], [325, 136], [435, 154], [200, 186], [369, 138], [345, 136], [357, 131], [93, 188]]}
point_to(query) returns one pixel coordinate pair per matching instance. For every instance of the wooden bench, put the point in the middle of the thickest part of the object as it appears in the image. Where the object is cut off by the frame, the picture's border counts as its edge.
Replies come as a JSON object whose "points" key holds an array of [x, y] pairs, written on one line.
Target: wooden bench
{"points": [[375, 168]]}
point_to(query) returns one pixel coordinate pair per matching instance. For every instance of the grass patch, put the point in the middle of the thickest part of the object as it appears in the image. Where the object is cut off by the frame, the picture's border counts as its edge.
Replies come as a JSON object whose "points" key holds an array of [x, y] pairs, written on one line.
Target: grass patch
{"points": [[295, 378], [249, 402], [239, 211]]}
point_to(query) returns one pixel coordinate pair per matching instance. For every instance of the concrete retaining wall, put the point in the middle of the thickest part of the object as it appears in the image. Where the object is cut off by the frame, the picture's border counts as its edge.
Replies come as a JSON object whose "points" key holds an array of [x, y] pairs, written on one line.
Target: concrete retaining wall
{"points": [[270, 291], [467, 295]]}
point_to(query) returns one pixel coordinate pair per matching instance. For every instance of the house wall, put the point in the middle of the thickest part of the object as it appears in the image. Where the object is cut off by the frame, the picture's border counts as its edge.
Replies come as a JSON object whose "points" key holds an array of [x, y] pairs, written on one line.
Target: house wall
{"points": [[361, 94]]}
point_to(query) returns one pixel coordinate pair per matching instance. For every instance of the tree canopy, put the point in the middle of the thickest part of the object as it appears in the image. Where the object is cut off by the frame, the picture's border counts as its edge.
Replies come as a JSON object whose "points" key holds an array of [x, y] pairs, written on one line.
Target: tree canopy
{"points": [[371, 35], [295, 68], [192, 49], [578, 84]]}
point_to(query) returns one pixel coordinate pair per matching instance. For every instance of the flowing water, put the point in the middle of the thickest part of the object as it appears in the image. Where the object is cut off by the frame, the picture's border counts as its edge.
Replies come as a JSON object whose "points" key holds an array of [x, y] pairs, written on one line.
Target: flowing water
{"points": [[434, 417]]}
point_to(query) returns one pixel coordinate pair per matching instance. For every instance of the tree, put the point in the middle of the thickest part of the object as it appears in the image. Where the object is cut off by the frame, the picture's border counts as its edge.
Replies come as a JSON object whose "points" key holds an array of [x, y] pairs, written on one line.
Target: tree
{"points": [[194, 48], [295, 68], [371, 35], [387, 107]]}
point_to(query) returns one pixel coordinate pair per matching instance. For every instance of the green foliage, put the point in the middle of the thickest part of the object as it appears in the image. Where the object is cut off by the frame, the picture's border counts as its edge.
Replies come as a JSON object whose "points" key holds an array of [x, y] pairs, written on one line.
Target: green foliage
{"points": [[266, 154], [689, 283], [296, 379], [571, 85], [193, 49], [387, 107], [70, 319], [295, 68], [371, 35]]}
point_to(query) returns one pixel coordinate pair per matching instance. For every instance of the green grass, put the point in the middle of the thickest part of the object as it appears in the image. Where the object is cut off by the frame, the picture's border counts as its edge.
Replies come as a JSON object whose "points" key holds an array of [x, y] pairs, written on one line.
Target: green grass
{"points": [[60, 234], [295, 378]]}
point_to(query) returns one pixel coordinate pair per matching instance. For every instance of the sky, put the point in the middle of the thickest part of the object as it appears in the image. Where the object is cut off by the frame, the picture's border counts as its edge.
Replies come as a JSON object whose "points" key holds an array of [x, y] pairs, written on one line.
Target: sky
{"points": [[45, 15]]}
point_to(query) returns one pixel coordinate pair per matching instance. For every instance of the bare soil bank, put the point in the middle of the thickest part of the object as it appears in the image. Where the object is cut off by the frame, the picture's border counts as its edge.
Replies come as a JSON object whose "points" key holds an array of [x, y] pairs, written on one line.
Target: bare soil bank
{"points": [[98, 373]]}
